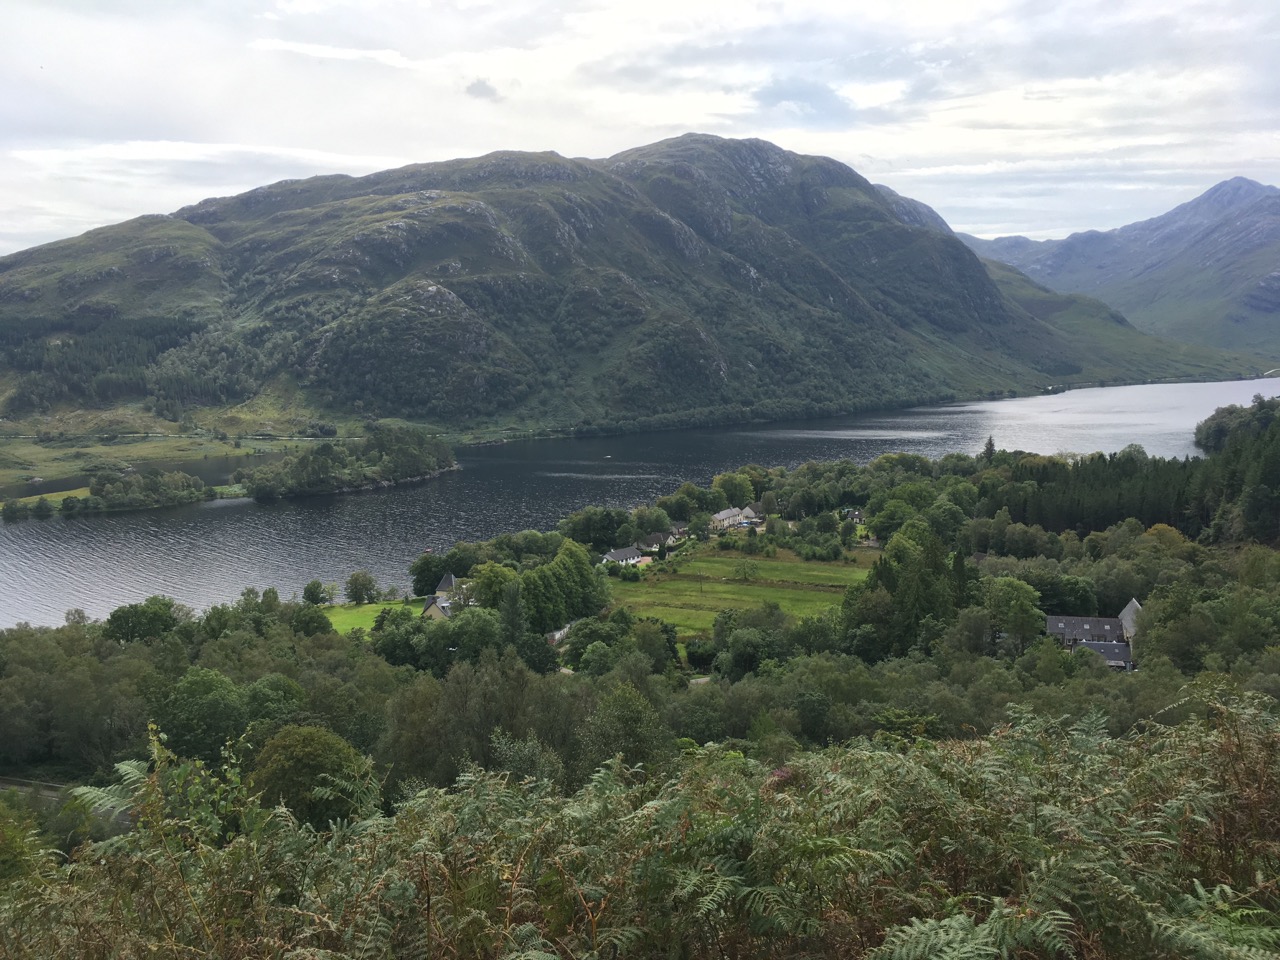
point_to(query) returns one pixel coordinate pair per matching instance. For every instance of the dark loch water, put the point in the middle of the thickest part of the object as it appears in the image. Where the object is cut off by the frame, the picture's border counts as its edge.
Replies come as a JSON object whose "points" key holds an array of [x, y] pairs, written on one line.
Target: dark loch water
{"points": [[208, 553]]}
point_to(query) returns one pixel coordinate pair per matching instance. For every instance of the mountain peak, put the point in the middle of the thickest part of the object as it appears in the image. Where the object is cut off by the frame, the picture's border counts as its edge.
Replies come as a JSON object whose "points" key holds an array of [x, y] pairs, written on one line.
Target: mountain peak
{"points": [[1223, 197], [1236, 189], [1196, 273]]}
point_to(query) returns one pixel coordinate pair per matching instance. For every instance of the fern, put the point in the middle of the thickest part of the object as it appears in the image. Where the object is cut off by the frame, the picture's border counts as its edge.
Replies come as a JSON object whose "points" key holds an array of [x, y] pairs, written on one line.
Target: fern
{"points": [[119, 796]]}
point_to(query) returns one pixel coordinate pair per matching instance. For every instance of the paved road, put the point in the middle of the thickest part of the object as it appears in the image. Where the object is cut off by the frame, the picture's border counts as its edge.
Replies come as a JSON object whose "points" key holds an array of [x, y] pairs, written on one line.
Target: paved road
{"points": [[42, 788]]}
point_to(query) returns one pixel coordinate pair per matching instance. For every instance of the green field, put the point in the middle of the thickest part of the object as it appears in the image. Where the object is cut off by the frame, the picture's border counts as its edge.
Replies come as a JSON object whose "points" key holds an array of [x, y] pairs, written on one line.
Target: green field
{"points": [[347, 616], [22, 458], [705, 583], [709, 582]]}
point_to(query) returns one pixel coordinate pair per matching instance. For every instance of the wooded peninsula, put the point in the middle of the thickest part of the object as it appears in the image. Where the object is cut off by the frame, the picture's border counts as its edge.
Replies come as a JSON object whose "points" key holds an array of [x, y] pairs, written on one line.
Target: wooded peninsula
{"points": [[386, 455], [865, 737]]}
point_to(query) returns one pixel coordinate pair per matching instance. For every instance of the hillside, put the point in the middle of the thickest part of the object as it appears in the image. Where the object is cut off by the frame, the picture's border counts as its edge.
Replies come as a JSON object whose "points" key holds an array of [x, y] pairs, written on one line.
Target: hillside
{"points": [[693, 280], [1206, 272]]}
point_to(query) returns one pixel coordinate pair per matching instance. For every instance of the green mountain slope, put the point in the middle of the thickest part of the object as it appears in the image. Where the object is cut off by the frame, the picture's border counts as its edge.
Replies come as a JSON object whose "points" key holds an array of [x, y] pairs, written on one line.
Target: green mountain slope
{"points": [[1206, 272], [692, 280], [1090, 328]]}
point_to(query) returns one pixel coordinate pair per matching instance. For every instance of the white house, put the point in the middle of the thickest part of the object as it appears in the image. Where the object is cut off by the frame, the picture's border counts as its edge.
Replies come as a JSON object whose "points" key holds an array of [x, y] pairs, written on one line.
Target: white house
{"points": [[623, 555]]}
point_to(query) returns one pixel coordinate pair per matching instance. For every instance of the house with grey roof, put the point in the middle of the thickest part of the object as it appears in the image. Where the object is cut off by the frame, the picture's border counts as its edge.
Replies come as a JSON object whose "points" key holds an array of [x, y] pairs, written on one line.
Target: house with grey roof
{"points": [[1117, 654], [655, 540], [437, 608], [726, 518], [623, 555], [1070, 629], [1109, 637]]}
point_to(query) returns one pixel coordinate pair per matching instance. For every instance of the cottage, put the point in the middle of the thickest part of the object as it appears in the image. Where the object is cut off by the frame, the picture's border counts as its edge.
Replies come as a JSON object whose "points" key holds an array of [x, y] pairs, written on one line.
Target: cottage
{"points": [[654, 541], [624, 555], [447, 585], [726, 518], [436, 608]]}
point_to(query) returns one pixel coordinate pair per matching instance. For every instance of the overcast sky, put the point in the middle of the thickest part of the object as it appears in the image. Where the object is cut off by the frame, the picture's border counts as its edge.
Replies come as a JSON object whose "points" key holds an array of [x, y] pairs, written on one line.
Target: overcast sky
{"points": [[1037, 117]]}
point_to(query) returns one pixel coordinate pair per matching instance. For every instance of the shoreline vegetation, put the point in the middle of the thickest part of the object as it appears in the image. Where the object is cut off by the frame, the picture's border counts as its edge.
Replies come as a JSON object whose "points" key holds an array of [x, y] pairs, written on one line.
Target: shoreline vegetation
{"points": [[53, 456], [387, 456]]}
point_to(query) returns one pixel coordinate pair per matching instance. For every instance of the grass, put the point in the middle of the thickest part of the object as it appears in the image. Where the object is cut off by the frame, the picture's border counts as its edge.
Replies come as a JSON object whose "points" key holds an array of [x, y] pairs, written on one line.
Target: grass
{"points": [[775, 569], [23, 457], [55, 499], [348, 616], [703, 586], [707, 583]]}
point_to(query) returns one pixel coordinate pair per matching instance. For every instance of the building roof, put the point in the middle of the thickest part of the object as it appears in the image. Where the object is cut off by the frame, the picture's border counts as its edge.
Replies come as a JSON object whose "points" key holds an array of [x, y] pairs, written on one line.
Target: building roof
{"points": [[728, 514], [440, 603], [1116, 654], [1129, 617], [1084, 628], [447, 582], [623, 555]]}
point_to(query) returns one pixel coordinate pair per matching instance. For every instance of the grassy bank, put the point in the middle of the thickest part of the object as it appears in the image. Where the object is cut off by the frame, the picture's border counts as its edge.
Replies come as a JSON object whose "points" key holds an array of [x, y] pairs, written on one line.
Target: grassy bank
{"points": [[59, 458]]}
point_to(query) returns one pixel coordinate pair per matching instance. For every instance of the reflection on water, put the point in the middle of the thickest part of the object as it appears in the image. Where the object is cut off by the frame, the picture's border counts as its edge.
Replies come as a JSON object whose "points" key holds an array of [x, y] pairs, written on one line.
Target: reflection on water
{"points": [[899, 434], [628, 477], [208, 553]]}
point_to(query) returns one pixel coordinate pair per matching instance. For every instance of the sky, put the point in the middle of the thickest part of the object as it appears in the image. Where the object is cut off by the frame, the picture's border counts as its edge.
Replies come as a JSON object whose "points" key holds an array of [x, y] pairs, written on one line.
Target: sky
{"points": [[1038, 117]]}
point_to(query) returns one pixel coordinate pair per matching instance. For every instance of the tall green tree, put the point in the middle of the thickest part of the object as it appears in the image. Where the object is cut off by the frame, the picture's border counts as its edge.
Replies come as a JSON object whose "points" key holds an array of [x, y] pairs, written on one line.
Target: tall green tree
{"points": [[297, 760], [361, 588]]}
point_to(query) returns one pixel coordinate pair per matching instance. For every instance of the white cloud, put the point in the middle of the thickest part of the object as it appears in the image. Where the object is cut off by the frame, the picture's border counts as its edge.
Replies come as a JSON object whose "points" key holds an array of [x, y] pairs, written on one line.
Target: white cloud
{"points": [[388, 58], [1006, 115]]}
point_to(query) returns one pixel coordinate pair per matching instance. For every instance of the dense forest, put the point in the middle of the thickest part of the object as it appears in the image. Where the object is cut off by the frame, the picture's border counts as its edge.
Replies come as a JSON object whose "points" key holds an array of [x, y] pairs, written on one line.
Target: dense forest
{"points": [[917, 771], [385, 455]]}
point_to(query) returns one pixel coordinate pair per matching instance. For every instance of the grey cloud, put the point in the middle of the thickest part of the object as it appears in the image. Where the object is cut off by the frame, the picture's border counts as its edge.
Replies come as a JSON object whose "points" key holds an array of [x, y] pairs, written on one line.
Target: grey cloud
{"points": [[814, 104], [482, 89], [797, 101], [1088, 43], [834, 51]]}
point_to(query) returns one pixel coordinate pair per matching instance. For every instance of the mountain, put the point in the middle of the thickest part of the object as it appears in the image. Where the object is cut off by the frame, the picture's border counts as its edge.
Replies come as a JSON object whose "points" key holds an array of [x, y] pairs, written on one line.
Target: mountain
{"points": [[914, 213], [695, 280], [1206, 272]]}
